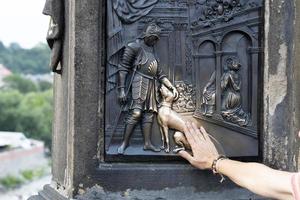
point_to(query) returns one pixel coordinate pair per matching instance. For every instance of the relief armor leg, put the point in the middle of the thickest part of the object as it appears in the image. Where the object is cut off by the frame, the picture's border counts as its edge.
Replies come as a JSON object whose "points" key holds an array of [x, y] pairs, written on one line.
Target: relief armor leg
{"points": [[147, 130], [132, 119]]}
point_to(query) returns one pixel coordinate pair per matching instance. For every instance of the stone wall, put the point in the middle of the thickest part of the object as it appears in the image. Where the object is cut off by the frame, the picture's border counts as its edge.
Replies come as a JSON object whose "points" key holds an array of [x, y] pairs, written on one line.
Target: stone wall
{"points": [[281, 85]]}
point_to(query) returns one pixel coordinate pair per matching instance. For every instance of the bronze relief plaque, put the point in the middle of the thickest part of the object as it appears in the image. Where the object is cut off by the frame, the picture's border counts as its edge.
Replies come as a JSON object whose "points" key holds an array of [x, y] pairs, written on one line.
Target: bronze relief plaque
{"points": [[169, 61]]}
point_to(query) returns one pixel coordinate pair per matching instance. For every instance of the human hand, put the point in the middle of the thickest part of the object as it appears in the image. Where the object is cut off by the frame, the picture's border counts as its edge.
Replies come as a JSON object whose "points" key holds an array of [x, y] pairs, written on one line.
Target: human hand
{"points": [[203, 150]]}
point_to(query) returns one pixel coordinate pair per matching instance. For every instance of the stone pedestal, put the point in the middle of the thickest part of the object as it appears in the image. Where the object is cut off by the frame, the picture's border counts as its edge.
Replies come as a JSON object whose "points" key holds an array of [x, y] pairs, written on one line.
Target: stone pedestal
{"points": [[78, 133]]}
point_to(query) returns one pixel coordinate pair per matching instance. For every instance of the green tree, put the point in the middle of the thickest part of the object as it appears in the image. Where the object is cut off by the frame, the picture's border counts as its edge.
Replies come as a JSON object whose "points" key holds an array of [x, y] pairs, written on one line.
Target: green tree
{"points": [[2, 47], [44, 85], [35, 112], [26, 61], [16, 82], [30, 113], [9, 109]]}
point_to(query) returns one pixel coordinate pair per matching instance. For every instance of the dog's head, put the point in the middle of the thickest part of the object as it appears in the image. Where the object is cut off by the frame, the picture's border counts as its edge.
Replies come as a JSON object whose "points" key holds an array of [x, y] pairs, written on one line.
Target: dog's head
{"points": [[166, 94]]}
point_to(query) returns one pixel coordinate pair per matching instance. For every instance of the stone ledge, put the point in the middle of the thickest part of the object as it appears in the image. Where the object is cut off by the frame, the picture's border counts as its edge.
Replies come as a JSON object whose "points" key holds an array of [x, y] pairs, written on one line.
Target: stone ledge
{"points": [[181, 193], [48, 193]]}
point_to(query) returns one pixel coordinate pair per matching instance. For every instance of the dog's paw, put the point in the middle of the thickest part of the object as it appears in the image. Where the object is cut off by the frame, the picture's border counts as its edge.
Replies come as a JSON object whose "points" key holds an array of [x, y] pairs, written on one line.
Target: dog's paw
{"points": [[177, 149]]}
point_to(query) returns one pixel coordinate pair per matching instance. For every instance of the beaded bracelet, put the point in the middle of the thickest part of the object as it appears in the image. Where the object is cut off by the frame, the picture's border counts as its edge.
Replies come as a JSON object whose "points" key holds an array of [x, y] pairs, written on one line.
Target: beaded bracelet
{"points": [[214, 166]]}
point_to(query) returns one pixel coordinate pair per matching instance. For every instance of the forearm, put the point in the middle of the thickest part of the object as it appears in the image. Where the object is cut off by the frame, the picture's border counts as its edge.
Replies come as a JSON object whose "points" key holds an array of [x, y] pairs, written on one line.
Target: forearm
{"points": [[257, 178]]}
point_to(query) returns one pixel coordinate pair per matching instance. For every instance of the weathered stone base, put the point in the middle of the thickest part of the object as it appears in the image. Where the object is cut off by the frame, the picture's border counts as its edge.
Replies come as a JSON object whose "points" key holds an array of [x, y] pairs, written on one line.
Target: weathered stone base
{"points": [[153, 181], [179, 193], [48, 193], [117, 177]]}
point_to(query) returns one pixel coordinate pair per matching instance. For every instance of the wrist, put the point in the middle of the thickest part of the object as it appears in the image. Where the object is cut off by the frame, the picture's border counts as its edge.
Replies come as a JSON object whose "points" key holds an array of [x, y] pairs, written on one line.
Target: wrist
{"points": [[210, 163], [216, 166], [215, 163], [220, 164]]}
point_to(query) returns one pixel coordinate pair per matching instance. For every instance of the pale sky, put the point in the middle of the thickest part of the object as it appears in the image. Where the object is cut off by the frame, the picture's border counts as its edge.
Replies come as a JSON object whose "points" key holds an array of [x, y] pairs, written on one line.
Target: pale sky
{"points": [[22, 21]]}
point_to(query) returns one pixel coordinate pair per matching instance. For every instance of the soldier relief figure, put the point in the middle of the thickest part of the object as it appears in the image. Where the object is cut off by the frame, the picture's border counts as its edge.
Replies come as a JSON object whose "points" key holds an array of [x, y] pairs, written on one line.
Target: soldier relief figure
{"points": [[140, 61]]}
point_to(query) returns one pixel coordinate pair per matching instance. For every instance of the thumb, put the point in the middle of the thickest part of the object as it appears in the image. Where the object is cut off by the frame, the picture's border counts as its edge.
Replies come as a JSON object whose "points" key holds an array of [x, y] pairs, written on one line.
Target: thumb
{"points": [[185, 155]]}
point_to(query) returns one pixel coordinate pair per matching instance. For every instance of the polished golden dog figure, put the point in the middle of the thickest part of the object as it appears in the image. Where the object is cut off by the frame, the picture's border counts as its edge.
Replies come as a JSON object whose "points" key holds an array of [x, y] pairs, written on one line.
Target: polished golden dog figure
{"points": [[168, 118]]}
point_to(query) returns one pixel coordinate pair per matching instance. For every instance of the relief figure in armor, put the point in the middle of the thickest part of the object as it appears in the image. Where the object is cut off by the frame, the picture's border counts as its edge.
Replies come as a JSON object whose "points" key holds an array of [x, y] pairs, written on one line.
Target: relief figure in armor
{"points": [[231, 96], [140, 62], [209, 97]]}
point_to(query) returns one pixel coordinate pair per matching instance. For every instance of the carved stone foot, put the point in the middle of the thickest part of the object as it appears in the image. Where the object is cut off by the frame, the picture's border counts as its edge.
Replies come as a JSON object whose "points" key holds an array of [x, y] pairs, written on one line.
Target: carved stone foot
{"points": [[122, 148], [150, 147]]}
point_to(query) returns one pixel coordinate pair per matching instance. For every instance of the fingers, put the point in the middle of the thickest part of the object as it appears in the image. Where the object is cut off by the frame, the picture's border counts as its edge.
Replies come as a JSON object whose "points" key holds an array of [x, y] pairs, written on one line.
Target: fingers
{"points": [[185, 155], [204, 133], [189, 136], [193, 132], [209, 139], [197, 132]]}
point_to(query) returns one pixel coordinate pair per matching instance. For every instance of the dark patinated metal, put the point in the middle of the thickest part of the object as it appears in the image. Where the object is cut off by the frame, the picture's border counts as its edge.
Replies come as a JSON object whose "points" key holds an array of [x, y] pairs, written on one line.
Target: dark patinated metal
{"points": [[139, 58], [192, 43], [231, 84], [209, 97]]}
